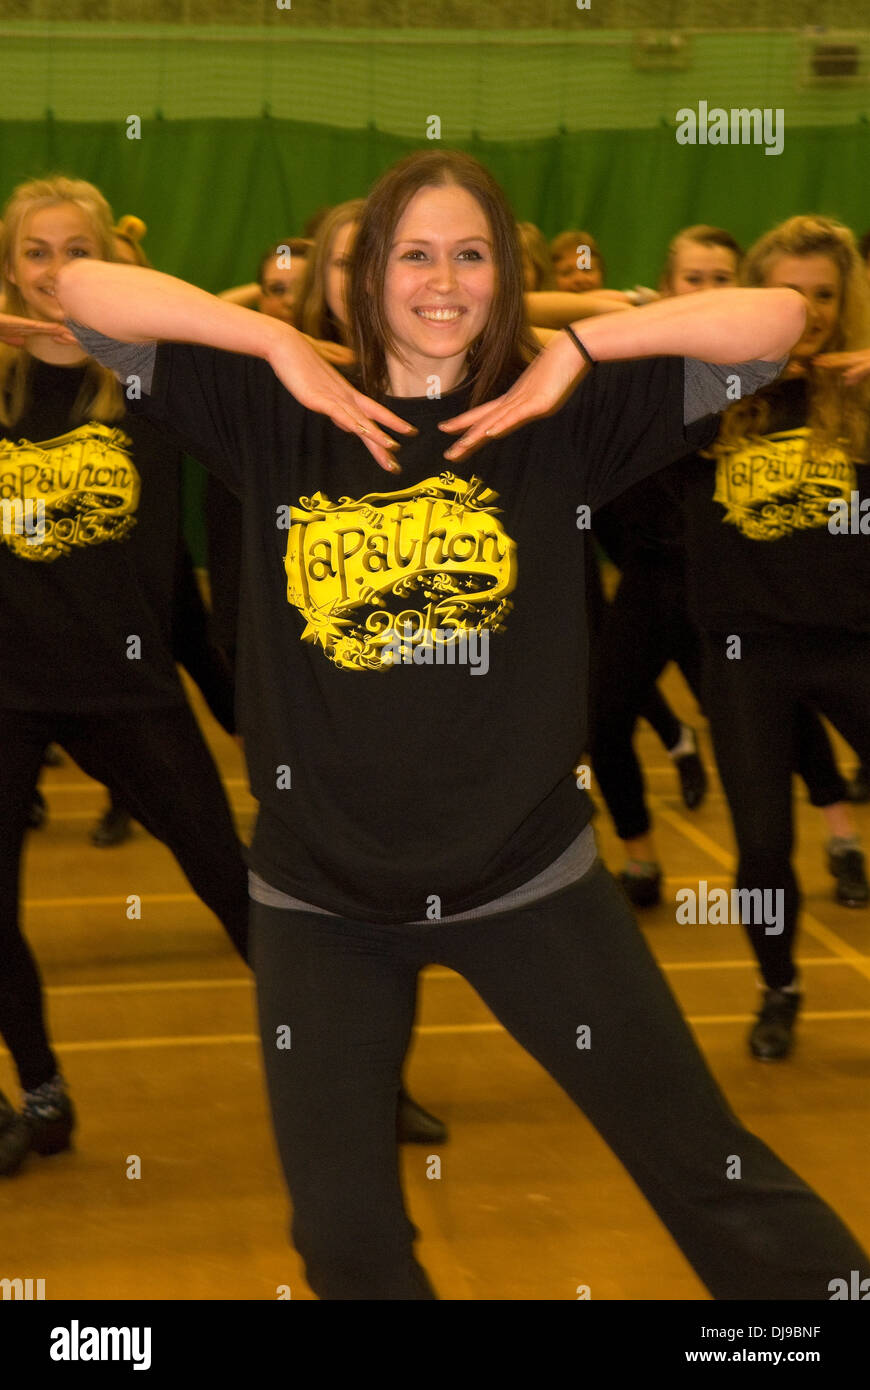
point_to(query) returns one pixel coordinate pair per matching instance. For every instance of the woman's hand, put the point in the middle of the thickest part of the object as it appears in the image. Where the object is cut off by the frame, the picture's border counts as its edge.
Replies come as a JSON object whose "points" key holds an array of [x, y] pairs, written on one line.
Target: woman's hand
{"points": [[540, 390], [317, 386], [855, 366], [16, 331]]}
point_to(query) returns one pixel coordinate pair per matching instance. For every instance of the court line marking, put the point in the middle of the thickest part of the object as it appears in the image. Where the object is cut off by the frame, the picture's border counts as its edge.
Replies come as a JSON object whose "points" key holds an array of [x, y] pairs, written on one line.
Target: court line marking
{"points": [[118, 899], [807, 921], [429, 973], [56, 817], [431, 1029], [92, 786]]}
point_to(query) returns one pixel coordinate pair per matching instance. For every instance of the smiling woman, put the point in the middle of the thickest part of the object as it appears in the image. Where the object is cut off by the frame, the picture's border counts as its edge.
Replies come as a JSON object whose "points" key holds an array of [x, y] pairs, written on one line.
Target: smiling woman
{"points": [[419, 827], [437, 288], [47, 223]]}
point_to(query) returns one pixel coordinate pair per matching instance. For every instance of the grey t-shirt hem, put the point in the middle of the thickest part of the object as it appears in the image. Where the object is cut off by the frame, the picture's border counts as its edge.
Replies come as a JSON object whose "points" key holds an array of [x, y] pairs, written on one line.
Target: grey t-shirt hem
{"points": [[571, 865]]}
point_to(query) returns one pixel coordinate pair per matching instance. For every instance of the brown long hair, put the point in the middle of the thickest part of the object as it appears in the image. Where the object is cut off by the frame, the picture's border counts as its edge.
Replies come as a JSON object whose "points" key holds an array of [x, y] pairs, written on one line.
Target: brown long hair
{"points": [[312, 314], [506, 344], [100, 396], [837, 414]]}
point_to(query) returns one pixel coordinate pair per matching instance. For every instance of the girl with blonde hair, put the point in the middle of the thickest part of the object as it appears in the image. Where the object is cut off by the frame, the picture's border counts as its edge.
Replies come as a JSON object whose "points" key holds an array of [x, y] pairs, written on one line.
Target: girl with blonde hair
{"points": [[87, 560], [780, 584]]}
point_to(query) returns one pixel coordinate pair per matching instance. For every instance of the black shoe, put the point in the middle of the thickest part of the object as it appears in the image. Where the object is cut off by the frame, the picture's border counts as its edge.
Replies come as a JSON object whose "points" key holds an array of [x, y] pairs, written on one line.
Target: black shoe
{"points": [[859, 787], [848, 870], [642, 890], [14, 1138], [693, 778], [52, 1133], [113, 828], [415, 1125], [771, 1037], [38, 811]]}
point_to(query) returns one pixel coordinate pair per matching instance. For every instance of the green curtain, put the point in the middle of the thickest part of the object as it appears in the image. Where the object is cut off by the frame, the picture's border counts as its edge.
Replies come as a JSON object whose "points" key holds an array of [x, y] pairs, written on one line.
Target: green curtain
{"points": [[215, 193]]}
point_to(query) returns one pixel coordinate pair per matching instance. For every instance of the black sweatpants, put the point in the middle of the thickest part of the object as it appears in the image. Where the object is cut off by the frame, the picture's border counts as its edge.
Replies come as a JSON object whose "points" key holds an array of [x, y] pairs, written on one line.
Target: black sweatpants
{"points": [[156, 763], [753, 704], [346, 992]]}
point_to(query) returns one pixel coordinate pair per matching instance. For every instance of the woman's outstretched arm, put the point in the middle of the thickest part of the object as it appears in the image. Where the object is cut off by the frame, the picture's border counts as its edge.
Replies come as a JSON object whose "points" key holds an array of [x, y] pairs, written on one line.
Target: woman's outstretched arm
{"points": [[555, 308], [134, 305], [716, 326]]}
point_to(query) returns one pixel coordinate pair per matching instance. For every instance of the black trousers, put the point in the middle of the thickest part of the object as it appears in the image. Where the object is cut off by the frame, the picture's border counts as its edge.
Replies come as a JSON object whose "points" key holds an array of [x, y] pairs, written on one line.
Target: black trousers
{"points": [[156, 763], [647, 626], [754, 707], [346, 991], [654, 707], [193, 648]]}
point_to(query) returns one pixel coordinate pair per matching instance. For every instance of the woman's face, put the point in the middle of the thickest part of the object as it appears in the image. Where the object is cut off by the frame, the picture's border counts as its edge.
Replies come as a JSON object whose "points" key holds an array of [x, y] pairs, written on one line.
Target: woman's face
{"points": [[699, 267], [818, 279], [337, 270], [279, 287], [440, 281], [569, 276], [49, 239]]}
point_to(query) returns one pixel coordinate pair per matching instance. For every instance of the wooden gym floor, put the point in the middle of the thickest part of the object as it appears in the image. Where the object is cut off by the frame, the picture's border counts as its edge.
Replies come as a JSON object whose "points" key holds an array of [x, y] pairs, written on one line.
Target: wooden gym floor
{"points": [[154, 1023]]}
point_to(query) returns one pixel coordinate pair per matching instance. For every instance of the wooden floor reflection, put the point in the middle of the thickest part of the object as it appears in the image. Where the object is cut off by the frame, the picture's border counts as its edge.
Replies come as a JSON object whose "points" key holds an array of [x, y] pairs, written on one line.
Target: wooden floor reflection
{"points": [[154, 1022]]}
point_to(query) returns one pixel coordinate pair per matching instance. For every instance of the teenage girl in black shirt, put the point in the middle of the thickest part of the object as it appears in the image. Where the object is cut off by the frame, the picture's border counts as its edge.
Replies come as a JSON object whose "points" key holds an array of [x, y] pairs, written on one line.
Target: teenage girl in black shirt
{"points": [[782, 595], [649, 624], [85, 621], [400, 797]]}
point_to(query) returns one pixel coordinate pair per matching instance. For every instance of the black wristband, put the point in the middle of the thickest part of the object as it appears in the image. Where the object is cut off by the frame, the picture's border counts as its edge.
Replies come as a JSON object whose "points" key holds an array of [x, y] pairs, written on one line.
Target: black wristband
{"points": [[571, 334]]}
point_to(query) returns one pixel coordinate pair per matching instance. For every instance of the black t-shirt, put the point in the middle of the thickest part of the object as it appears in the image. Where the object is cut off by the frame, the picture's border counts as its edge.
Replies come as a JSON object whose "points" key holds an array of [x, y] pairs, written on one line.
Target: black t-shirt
{"points": [[383, 786], [93, 567], [766, 549], [646, 522]]}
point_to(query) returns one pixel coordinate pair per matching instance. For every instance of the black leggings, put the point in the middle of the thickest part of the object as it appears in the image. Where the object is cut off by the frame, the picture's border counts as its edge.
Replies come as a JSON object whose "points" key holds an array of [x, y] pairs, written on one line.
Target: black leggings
{"points": [[346, 991], [157, 764], [754, 705]]}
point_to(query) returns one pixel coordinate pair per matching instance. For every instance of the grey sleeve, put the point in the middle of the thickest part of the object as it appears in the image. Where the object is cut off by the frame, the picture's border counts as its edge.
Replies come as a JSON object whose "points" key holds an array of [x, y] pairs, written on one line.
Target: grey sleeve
{"points": [[709, 386], [124, 359]]}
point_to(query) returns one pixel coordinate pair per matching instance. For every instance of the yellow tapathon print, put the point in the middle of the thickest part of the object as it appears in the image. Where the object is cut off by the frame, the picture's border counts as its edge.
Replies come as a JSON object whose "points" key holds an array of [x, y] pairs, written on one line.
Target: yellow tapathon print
{"points": [[432, 561], [83, 486], [770, 486]]}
